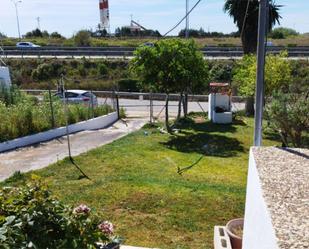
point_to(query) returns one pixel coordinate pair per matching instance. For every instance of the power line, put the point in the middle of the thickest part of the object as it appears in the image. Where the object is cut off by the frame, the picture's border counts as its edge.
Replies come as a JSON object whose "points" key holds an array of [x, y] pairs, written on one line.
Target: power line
{"points": [[183, 18], [245, 19]]}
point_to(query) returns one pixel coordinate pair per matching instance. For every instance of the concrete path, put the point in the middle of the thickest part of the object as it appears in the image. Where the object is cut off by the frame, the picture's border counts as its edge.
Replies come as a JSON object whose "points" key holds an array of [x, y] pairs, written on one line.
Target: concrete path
{"points": [[44, 154]]}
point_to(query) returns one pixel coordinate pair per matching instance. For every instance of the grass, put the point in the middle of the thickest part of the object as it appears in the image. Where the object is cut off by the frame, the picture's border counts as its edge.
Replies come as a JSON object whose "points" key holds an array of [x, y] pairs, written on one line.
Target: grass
{"points": [[165, 191], [300, 40]]}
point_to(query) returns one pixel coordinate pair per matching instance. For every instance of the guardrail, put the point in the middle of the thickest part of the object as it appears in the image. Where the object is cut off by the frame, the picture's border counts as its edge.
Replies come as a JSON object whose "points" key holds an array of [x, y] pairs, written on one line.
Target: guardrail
{"points": [[81, 53]]}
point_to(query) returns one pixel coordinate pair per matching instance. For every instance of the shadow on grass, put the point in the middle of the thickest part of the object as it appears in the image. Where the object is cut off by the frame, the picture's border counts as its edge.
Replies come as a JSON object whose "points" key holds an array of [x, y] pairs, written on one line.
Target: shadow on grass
{"points": [[207, 126], [206, 144]]}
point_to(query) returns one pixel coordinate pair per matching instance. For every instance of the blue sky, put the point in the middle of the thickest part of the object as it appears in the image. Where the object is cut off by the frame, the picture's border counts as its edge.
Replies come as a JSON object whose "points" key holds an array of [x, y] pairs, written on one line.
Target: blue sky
{"points": [[69, 16]]}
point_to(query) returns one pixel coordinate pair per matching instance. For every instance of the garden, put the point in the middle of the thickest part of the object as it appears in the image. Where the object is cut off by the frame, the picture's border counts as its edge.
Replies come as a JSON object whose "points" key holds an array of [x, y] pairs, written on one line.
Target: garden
{"points": [[23, 115], [160, 190], [166, 185]]}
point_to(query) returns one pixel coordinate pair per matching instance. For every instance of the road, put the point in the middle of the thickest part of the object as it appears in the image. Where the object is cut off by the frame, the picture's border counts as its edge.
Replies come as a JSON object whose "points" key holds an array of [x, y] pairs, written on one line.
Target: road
{"points": [[140, 108]]}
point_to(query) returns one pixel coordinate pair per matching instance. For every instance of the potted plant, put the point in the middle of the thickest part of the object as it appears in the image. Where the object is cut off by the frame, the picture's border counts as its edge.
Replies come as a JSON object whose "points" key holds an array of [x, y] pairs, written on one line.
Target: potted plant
{"points": [[234, 229]]}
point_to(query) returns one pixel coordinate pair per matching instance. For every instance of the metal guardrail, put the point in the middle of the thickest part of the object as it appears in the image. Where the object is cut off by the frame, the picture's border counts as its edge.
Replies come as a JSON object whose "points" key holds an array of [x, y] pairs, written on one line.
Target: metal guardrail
{"points": [[128, 51]]}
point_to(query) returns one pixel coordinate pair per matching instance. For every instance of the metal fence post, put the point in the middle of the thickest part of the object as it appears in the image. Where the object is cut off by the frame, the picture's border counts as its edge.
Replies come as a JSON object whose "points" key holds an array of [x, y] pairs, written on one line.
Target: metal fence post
{"points": [[92, 104], [51, 109], [117, 106], [151, 107]]}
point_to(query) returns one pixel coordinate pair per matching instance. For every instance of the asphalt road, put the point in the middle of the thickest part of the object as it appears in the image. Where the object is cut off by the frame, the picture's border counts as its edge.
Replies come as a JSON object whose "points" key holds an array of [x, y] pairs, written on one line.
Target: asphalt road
{"points": [[140, 108]]}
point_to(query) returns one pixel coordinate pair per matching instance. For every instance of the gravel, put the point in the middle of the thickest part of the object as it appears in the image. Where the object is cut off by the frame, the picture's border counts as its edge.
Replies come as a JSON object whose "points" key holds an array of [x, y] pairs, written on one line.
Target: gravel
{"points": [[284, 175]]}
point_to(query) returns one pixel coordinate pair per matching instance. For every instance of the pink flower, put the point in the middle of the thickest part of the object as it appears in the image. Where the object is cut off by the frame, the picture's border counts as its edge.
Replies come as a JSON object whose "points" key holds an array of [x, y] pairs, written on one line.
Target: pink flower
{"points": [[81, 209], [106, 227]]}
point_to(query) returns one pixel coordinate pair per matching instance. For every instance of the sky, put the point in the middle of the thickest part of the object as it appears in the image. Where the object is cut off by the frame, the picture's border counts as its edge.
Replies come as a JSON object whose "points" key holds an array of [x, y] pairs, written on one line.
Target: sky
{"points": [[69, 16]]}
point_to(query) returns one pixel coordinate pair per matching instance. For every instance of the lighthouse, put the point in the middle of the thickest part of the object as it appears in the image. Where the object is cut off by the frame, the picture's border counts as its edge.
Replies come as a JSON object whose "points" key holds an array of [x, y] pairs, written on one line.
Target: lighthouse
{"points": [[104, 15]]}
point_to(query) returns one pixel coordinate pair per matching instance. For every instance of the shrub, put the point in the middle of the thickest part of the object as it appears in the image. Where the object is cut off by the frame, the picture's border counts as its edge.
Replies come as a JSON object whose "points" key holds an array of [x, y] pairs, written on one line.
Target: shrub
{"points": [[31, 218], [82, 38], [288, 115], [130, 85], [26, 115], [102, 69]]}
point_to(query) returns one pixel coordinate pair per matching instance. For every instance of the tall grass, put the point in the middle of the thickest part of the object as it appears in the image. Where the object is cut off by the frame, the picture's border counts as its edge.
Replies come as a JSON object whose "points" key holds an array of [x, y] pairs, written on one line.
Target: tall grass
{"points": [[26, 115]]}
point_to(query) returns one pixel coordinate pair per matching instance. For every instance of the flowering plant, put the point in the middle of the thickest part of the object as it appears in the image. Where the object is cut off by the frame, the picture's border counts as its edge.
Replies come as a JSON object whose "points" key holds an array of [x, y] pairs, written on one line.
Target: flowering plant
{"points": [[30, 217]]}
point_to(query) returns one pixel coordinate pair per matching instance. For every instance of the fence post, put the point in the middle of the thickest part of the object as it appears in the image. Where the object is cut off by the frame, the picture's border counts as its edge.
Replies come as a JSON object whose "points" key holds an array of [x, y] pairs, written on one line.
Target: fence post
{"points": [[92, 104], [117, 106], [151, 107], [51, 108]]}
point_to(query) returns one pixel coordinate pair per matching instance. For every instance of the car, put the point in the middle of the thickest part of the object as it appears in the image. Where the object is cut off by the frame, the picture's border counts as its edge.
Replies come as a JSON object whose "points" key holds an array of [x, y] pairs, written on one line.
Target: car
{"points": [[148, 44], [79, 97], [26, 45]]}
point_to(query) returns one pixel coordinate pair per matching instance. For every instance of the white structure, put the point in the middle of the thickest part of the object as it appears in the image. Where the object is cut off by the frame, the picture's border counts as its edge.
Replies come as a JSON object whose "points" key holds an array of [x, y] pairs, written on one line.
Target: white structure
{"points": [[222, 101], [5, 78], [276, 215], [104, 15], [92, 124]]}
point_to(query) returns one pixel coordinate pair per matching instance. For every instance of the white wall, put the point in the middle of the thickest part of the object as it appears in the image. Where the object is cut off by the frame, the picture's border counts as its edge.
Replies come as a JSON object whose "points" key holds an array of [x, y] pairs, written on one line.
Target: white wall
{"points": [[221, 101], [92, 124], [5, 76], [258, 229]]}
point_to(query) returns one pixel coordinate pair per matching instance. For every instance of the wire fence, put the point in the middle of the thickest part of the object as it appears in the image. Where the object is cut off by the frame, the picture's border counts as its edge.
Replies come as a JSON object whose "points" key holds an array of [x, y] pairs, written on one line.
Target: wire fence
{"points": [[149, 105]]}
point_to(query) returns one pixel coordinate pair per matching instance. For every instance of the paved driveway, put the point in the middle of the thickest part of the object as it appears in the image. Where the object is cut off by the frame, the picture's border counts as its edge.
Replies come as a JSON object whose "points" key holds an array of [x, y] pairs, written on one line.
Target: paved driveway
{"points": [[44, 154]]}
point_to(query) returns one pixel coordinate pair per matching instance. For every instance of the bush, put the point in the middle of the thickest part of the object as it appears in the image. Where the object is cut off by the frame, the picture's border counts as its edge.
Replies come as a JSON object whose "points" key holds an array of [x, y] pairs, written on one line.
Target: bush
{"points": [[129, 85], [288, 115], [82, 38], [283, 33], [31, 218]]}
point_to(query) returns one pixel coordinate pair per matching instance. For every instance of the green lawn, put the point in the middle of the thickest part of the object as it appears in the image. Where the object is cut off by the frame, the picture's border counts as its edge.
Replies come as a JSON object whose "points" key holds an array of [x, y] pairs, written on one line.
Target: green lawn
{"points": [[136, 182]]}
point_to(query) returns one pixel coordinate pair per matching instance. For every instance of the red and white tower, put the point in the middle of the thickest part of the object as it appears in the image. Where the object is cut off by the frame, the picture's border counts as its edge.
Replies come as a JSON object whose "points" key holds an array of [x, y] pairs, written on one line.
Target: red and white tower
{"points": [[104, 15]]}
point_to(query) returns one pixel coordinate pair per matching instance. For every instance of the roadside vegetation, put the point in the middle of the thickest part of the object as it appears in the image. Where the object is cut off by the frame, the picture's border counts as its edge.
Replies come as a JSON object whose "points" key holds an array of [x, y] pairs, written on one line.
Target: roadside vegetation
{"points": [[161, 190], [23, 115], [289, 41]]}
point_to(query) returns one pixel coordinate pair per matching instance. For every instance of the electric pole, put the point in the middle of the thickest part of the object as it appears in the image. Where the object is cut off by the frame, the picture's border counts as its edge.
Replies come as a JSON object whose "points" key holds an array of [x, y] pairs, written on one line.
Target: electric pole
{"points": [[187, 19], [259, 93], [38, 19], [15, 2]]}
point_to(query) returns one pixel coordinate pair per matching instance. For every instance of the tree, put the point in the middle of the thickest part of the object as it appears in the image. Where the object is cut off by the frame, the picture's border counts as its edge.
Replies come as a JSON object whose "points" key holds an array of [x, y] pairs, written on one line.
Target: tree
{"points": [[82, 38], [2, 35], [170, 66], [282, 33], [56, 35], [34, 33], [237, 10], [277, 76]]}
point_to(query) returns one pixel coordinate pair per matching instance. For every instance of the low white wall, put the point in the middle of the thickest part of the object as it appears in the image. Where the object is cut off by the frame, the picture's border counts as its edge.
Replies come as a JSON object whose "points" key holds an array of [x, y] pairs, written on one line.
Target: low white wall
{"points": [[258, 229], [91, 124]]}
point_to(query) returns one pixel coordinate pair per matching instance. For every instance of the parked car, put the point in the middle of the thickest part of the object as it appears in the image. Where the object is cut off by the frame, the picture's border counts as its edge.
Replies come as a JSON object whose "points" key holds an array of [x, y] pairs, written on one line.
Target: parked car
{"points": [[79, 97], [148, 44], [26, 45]]}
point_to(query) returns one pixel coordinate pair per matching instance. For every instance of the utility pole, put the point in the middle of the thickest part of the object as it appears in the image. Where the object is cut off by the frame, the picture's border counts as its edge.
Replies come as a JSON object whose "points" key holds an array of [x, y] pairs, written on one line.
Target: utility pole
{"points": [[15, 2], [187, 19], [38, 19], [259, 94]]}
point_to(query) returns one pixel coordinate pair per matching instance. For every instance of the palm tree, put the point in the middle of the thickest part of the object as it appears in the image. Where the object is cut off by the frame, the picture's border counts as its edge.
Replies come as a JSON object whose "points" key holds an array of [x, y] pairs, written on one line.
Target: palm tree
{"points": [[248, 24]]}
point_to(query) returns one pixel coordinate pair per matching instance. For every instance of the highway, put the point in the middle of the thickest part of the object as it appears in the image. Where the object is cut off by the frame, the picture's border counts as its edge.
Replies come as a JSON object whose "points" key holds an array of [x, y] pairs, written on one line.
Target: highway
{"points": [[128, 52]]}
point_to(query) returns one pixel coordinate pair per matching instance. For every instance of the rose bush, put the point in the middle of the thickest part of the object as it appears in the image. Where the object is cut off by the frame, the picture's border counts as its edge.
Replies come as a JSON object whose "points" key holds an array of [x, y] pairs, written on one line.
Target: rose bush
{"points": [[31, 218]]}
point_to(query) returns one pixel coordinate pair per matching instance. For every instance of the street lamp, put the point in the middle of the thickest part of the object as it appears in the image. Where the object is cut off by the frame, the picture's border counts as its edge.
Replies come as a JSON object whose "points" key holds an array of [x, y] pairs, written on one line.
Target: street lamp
{"points": [[15, 2]]}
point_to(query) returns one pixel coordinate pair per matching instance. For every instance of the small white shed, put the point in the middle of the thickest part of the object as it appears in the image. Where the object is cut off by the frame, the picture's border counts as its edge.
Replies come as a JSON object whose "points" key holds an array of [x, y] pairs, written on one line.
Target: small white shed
{"points": [[5, 78]]}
